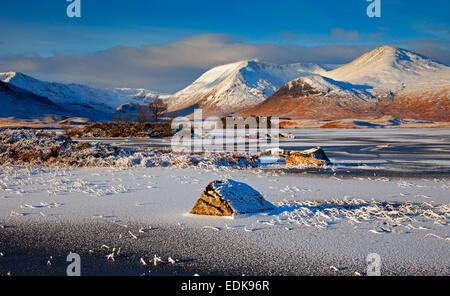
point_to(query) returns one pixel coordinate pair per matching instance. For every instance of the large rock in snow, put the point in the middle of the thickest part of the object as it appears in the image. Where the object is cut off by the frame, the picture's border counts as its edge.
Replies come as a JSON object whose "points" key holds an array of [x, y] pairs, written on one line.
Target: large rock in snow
{"points": [[315, 156], [225, 198]]}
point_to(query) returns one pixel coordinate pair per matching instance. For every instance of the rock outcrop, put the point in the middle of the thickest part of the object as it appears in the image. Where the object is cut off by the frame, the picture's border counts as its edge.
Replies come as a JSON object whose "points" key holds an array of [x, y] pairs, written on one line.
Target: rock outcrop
{"points": [[315, 156], [227, 198]]}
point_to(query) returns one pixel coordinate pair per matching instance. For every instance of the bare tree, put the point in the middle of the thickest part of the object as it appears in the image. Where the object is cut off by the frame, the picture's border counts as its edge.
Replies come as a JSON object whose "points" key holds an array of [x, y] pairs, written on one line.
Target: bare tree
{"points": [[142, 114], [157, 109]]}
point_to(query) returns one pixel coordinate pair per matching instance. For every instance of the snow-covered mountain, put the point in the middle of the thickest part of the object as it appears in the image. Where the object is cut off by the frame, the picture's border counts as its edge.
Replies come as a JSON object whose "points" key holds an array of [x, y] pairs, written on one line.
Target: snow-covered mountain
{"points": [[15, 101], [393, 69], [385, 81], [74, 95], [136, 95], [236, 86], [81, 99], [315, 96]]}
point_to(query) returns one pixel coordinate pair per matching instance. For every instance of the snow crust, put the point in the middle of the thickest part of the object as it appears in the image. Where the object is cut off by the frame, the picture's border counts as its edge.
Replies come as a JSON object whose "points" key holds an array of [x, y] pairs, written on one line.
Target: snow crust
{"points": [[242, 198]]}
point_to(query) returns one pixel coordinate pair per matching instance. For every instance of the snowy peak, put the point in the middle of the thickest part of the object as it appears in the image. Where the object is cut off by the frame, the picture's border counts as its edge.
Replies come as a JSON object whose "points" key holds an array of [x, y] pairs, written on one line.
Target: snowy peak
{"points": [[21, 80], [81, 99], [239, 85], [251, 72], [397, 58], [59, 93], [256, 73], [385, 81], [316, 85], [7, 76], [391, 68], [213, 78]]}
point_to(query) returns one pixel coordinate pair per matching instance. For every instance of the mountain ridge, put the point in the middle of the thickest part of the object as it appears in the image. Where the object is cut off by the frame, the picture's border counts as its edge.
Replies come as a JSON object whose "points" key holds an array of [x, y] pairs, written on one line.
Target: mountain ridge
{"points": [[16, 101], [81, 99], [384, 81], [391, 68], [239, 85]]}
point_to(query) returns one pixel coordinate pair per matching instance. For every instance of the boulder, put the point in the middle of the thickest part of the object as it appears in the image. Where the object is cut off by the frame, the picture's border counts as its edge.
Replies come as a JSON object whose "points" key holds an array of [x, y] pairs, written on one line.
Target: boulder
{"points": [[227, 198], [315, 156]]}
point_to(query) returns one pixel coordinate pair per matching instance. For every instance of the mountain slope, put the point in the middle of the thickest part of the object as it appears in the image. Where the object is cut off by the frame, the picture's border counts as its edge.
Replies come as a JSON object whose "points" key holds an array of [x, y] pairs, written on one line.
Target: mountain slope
{"points": [[393, 69], [81, 99], [235, 86], [23, 104], [385, 81], [58, 93], [315, 96]]}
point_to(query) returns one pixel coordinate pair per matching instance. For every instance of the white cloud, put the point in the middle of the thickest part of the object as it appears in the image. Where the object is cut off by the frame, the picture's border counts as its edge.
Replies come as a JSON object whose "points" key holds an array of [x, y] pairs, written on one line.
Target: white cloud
{"points": [[171, 66]]}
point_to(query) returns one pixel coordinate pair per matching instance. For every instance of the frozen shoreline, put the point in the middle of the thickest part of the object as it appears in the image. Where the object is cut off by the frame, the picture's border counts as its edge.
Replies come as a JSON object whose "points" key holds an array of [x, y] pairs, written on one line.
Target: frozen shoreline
{"points": [[130, 192], [387, 193]]}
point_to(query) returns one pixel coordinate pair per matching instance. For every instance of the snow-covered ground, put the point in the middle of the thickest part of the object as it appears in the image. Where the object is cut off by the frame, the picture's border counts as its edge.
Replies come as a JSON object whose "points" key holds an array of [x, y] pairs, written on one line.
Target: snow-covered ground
{"points": [[318, 221], [165, 195], [325, 223]]}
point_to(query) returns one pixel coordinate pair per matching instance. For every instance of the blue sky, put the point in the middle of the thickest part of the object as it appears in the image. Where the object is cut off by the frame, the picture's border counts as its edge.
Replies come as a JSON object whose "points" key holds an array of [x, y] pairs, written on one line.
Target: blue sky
{"points": [[38, 38]]}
